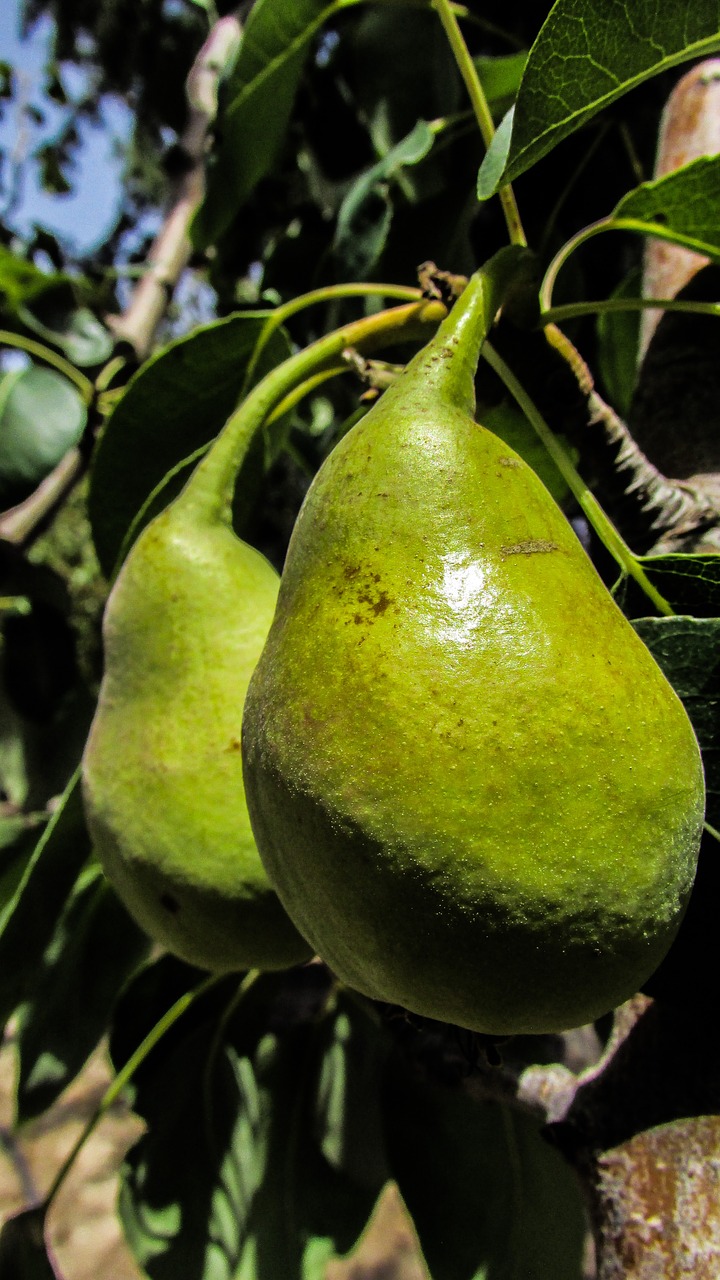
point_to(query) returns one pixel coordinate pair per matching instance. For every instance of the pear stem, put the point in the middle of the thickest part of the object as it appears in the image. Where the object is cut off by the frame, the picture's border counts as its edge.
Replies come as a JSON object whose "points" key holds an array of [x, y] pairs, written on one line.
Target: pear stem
{"points": [[210, 488], [305, 388], [587, 502], [327, 293], [446, 365], [480, 107]]}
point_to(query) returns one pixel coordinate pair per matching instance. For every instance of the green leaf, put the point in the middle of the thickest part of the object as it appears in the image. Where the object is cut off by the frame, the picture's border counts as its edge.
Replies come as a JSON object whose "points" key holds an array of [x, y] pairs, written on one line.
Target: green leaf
{"points": [[488, 1195], [24, 1254], [14, 765], [54, 166], [28, 920], [500, 79], [365, 215], [492, 169], [687, 651], [359, 244], [21, 281], [41, 417], [94, 949], [176, 403], [390, 47], [175, 1199], [260, 94], [618, 334], [75, 330], [587, 56], [681, 207]]}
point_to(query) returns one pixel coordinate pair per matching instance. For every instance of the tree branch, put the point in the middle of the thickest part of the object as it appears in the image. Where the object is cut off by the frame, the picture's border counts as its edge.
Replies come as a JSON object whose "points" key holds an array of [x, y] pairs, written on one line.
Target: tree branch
{"points": [[170, 252], [17, 523], [167, 259]]}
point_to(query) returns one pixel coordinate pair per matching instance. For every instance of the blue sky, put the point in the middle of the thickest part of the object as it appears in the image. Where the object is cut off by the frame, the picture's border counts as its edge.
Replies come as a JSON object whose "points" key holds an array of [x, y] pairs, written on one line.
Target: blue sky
{"points": [[85, 216]]}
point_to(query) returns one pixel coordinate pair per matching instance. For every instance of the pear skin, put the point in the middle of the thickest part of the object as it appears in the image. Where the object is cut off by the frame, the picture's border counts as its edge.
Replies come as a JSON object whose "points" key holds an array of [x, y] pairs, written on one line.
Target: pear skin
{"points": [[474, 790], [162, 774]]}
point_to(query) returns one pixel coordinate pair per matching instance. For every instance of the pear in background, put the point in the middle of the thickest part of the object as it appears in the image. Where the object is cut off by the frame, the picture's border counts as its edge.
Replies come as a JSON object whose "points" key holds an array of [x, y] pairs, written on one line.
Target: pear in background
{"points": [[162, 774]]}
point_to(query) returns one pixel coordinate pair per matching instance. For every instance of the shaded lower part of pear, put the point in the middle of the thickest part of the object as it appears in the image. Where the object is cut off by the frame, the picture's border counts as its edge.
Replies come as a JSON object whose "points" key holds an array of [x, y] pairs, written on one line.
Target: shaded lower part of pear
{"points": [[197, 923], [501, 962]]}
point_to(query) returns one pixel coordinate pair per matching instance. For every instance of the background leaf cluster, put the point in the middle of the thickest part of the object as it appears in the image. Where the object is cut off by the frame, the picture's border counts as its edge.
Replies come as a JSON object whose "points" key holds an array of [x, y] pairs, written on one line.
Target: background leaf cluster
{"points": [[344, 150]]}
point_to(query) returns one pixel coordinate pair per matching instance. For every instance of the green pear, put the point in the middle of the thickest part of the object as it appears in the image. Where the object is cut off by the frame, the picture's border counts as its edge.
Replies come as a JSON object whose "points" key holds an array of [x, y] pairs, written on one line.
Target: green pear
{"points": [[162, 773], [474, 790]]}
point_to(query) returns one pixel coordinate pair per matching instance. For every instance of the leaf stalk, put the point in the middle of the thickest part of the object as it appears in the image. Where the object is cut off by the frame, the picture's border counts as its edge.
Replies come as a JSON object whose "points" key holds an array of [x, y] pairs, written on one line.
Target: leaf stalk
{"points": [[480, 107], [603, 526], [40, 352]]}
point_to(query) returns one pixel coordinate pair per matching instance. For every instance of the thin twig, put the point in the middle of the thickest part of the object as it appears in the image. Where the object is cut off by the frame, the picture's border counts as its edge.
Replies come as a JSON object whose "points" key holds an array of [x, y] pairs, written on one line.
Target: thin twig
{"points": [[17, 523]]}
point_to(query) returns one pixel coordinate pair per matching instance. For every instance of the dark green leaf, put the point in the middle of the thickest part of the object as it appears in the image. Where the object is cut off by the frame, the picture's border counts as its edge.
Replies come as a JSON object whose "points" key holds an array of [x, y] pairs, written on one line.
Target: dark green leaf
{"points": [[23, 1252], [618, 339], [500, 79], [359, 245], [54, 168], [681, 207], [584, 58], [688, 651], [20, 280], [41, 417], [192, 1214], [28, 920], [18, 837], [674, 403], [487, 1194], [93, 951], [365, 214], [144, 1001], [258, 1197], [260, 96], [54, 87], [349, 1121], [690, 584], [402, 70], [173, 406]]}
